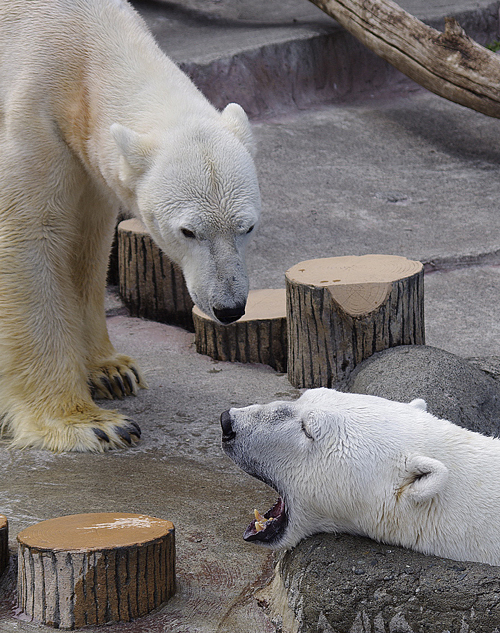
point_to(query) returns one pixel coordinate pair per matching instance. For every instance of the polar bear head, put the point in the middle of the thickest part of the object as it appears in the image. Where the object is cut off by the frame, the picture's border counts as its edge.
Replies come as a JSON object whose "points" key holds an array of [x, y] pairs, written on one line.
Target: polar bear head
{"points": [[196, 190], [340, 463]]}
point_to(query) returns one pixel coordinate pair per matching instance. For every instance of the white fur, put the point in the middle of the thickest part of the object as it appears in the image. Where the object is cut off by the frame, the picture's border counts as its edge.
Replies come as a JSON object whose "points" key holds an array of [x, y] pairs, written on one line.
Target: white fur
{"points": [[94, 116], [369, 466]]}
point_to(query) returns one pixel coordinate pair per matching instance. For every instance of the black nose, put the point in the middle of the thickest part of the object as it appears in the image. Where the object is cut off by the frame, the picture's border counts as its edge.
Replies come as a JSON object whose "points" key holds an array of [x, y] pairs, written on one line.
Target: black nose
{"points": [[229, 315], [227, 428]]}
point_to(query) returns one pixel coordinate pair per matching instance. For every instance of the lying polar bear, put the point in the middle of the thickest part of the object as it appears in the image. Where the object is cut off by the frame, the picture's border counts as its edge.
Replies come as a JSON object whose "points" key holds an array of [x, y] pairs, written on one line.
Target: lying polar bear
{"points": [[365, 465]]}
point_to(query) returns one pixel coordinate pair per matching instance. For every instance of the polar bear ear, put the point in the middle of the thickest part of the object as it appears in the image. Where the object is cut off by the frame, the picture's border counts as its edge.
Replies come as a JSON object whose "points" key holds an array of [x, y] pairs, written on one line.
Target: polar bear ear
{"points": [[419, 403], [313, 424], [135, 150], [424, 478], [234, 118]]}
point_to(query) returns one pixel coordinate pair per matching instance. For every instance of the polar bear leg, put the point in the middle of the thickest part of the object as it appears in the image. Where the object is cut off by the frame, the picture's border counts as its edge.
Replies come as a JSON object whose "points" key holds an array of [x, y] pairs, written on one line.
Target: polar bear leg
{"points": [[110, 375], [44, 395], [45, 399]]}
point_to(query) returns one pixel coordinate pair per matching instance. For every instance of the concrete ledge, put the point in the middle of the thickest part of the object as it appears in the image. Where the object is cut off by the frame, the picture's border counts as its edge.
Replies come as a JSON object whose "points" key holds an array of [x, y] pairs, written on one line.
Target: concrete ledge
{"points": [[297, 74], [313, 69], [345, 584]]}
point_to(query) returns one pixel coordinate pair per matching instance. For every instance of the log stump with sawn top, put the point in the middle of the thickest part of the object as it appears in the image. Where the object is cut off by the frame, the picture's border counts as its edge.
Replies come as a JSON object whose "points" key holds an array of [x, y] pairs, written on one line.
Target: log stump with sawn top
{"points": [[88, 569], [341, 310], [151, 285], [258, 337]]}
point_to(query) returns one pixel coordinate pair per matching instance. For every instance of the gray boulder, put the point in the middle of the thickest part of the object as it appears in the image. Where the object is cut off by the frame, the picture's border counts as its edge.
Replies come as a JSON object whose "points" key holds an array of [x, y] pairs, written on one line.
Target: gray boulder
{"points": [[454, 388], [346, 584]]}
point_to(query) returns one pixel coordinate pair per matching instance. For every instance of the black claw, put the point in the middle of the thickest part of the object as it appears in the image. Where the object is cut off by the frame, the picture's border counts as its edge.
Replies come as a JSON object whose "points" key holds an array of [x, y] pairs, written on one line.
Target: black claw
{"points": [[101, 434], [107, 383], [134, 432], [136, 427], [136, 374], [118, 381], [130, 384], [123, 434]]}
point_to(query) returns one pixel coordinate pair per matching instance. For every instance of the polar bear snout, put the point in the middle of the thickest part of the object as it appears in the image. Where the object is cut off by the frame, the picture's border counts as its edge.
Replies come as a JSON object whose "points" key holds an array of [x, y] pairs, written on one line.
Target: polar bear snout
{"points": [[229, 315], [228, 432], [217, 281]]}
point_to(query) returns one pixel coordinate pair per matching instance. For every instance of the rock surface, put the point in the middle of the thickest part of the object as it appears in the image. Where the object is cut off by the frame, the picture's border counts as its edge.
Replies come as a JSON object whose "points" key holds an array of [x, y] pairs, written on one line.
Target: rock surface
{"points": [[454, 388], [346, 584]]}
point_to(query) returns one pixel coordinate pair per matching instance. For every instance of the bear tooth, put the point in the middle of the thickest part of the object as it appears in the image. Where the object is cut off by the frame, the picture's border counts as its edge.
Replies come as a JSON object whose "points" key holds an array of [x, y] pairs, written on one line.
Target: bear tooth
{"points": [[260, 521], [258, 517]]}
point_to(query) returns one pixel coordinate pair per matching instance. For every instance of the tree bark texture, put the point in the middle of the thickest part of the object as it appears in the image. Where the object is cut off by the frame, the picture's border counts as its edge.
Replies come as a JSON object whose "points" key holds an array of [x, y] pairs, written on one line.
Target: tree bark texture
{"points": [[450, 64], [341, 310], [113, 277], [151, 285], [89, 569], [4, 543], [258, 337]]}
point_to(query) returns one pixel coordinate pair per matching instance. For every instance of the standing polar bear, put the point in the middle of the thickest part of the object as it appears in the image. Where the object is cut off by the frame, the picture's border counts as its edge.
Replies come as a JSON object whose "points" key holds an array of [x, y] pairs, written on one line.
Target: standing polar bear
{"points": [[94, 116], [369, 466]]}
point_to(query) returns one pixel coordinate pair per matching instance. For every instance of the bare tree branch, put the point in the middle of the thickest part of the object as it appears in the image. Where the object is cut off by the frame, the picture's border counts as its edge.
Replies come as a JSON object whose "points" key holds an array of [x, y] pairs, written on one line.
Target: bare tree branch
{"points": [[449, 64]]}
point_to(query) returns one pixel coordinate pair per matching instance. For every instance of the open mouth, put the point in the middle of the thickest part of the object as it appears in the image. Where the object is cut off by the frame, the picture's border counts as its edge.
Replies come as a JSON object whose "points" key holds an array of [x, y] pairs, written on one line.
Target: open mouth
{"points": [[268, 528]]}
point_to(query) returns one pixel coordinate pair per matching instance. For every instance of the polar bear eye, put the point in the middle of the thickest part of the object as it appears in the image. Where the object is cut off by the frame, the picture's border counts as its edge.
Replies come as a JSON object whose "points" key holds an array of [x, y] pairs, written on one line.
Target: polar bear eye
{"points": [[189, 234]]}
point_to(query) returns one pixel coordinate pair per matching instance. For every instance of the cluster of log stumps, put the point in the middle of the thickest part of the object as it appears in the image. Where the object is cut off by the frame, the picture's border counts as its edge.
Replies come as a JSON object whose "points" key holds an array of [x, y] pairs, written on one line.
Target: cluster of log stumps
{"points": [[334, 312]]}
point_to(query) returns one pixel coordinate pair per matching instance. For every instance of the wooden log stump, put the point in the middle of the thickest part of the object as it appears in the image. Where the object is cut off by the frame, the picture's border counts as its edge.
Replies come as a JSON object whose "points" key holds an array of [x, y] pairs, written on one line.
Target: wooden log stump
{"points": [[150, 284], [113, 277], [4, 543], [88, 569], [341, 310], [258, 337]]}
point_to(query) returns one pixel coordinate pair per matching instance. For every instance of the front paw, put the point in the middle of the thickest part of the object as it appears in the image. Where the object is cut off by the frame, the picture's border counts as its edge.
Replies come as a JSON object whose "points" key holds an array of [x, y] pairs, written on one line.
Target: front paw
{"points": [[85, 429], [115, 377]]}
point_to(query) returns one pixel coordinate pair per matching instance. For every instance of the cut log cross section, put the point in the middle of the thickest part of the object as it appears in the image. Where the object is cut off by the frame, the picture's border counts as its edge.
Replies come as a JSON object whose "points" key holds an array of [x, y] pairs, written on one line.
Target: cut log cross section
{"points": [[151, 285], [341, 310], [4, 543], [88, 569]]}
